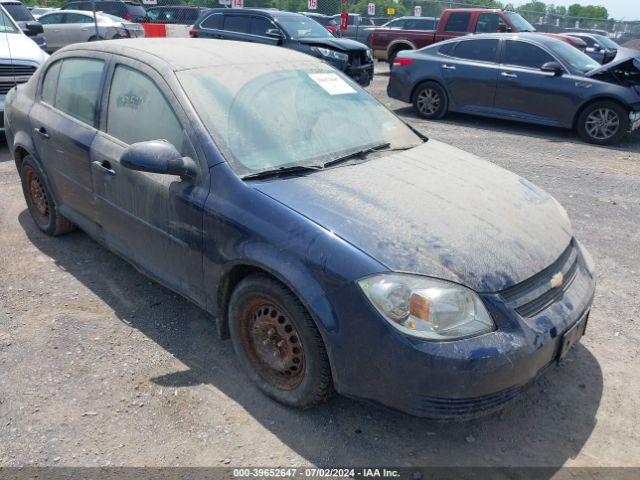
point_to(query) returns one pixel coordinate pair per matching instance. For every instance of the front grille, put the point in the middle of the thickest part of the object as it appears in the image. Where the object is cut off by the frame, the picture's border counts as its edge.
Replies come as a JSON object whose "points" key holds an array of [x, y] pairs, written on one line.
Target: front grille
{"points": [[5, 86], [357, 58], [8, 70], [444, 408], [535, 294], [12, 74]]}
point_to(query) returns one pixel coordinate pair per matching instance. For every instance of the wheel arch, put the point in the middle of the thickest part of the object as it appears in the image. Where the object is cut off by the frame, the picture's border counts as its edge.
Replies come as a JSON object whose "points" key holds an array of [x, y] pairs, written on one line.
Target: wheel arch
{"points": [[422, 81], [398, 45], [591, 101]]}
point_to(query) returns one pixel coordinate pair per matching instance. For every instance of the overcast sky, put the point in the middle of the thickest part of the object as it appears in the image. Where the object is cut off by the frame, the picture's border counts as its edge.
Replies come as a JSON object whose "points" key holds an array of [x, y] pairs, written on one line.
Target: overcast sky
{"points": [[627, 9]]}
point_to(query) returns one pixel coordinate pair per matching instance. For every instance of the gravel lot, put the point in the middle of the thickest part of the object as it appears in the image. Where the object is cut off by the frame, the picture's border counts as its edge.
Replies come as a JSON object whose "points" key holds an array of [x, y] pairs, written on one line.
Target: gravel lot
{"points": [[100, 366]]}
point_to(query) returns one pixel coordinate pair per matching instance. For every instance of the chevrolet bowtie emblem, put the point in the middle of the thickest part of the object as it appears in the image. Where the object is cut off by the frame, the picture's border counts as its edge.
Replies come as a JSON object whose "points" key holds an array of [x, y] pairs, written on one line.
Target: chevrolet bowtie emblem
{"points": [[557, 280]]}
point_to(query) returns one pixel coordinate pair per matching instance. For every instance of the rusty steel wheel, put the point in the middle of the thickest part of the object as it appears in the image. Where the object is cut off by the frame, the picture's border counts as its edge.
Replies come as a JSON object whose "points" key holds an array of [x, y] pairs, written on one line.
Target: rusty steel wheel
{"points": [[42, 205], [272, 343], [37, 196], [278, 343]]}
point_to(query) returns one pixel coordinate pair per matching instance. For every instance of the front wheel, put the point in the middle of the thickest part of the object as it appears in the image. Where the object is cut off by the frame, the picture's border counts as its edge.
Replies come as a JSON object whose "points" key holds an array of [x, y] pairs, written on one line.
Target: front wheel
{"points": [[278, 344], [603, 123], [430, 101]]}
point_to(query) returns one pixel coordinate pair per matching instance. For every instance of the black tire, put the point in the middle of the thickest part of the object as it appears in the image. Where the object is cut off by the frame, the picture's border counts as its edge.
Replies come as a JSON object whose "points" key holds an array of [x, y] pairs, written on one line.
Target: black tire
{"points": [[603, 123], [41, 203], [435, 108], [272, 334]]}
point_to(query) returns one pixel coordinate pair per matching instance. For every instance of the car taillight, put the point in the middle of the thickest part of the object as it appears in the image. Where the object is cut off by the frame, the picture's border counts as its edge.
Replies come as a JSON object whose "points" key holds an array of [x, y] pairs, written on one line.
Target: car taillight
{"points": [[402, 62], [193, 33], [127, 17]]}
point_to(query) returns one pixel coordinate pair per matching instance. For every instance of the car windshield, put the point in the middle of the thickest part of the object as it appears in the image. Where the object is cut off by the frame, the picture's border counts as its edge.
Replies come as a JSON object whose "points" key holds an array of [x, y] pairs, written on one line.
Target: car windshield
{"points": [[6, 25], [298, 27], [266, 117], [574, 57], [520, 24], [606, 42], [19, 12]]}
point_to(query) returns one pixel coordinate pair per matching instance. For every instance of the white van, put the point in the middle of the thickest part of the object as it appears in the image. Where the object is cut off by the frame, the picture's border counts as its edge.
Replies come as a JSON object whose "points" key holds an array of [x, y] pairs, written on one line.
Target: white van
{"points": [[19, 57]]}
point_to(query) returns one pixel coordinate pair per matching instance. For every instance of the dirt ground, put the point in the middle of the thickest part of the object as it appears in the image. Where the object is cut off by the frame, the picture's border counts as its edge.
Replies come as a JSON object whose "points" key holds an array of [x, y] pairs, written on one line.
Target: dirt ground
{"points": [[100, 366]]}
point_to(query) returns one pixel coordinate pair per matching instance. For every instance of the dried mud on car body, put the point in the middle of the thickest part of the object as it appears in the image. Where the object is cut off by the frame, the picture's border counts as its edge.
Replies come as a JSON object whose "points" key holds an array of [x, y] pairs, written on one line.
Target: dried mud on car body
{"points": [[100, 366]]}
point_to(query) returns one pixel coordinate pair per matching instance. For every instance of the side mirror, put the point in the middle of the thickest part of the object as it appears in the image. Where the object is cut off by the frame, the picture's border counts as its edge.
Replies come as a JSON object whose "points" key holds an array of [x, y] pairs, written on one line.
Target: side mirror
{"points": [[275, 33], [553, 67], [31, 29], [158, 156]]}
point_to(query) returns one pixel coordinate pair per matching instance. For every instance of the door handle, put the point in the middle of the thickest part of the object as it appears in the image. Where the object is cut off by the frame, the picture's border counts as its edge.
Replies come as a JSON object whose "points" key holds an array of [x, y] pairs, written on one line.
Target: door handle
{"points": [[104, 166], [42, 132], [509, 75], [448, 67]]}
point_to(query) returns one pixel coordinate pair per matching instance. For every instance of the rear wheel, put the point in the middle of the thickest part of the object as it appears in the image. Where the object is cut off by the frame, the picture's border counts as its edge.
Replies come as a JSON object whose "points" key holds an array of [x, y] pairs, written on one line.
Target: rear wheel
{"points": [[430, 101], [278, 343], [603, 123], [40, 201]]}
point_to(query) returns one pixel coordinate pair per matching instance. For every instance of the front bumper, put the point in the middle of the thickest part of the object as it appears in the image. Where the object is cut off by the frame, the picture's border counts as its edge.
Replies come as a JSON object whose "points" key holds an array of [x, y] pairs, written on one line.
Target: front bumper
{"points": [[455, 379], [634, 118], [363, 74]]}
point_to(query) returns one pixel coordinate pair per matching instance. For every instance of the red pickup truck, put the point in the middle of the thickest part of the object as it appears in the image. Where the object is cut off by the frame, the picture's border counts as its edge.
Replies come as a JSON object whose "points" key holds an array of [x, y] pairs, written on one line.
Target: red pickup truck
{"points": [[387, 42]]}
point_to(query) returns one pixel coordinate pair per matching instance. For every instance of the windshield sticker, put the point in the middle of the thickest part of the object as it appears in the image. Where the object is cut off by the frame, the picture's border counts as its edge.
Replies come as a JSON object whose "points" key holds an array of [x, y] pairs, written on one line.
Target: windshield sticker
{"points": [[331, 83]]}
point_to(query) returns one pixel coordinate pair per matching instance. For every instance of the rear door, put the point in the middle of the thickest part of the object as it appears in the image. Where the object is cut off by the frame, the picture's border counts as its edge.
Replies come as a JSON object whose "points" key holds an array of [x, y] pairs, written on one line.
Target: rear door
{"points": [[529, 94], [78, 28], [64, 121], [153, 220], [471, 75]]}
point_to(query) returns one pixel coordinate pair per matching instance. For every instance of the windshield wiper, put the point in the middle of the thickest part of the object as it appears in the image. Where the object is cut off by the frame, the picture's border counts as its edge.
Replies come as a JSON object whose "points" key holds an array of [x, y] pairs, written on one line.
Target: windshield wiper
{"points": [[282, 171], [358, 153]]}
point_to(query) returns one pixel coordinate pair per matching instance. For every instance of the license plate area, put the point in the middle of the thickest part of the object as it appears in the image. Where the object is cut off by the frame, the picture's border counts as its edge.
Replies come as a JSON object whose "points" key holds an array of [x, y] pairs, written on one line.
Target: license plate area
{"points": [[572, 336]]}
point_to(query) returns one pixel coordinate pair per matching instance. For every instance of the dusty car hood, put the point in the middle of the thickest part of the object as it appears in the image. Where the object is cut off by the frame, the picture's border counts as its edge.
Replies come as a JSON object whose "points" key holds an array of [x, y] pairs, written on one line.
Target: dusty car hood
{"points": [[435, 210], [343, 44], [623, 55]]}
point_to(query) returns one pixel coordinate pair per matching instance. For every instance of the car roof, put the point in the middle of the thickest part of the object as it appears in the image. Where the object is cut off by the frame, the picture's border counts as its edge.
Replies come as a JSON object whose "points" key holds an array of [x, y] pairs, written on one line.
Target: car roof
{"points": [[178, 54], [542, 39], [260, 11]]}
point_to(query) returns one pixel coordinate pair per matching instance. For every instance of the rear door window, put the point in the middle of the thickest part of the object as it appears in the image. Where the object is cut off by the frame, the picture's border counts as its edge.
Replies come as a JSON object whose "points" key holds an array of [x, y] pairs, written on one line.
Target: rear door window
{"points": [[458, 22], [78, 88], [523, 54], [478, 50], [237, 23], [77, 18]]}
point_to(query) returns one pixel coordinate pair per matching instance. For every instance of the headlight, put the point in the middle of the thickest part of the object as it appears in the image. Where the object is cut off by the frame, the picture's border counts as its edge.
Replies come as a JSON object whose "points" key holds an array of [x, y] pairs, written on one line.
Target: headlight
{"points": [[328, 53], [369, 54], [427, 308]]}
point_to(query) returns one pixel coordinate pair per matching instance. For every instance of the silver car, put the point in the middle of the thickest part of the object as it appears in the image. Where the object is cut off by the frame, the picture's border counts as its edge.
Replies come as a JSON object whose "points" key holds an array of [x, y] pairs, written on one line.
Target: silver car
{"points": [[64, 27]]}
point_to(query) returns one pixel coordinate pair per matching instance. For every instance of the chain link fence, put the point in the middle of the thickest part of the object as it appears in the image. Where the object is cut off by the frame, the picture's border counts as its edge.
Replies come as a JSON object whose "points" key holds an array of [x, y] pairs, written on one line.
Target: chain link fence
{"points": [[385, 10]]}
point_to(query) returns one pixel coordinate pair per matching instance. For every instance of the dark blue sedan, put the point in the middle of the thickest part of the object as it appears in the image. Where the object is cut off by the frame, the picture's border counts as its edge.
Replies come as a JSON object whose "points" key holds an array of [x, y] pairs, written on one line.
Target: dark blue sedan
{"points": [[338, 248], [524, 77]]}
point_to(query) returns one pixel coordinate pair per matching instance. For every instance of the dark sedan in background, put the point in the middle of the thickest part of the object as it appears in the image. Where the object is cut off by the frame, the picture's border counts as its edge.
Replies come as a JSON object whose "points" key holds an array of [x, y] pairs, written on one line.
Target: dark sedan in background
{"points": [[524, 77], [289, 30], [599, 47]]}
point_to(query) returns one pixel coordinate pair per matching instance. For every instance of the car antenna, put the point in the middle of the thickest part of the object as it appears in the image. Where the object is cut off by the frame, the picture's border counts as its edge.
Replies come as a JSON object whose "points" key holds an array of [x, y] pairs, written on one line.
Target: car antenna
{"points": [[5, 18]]}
